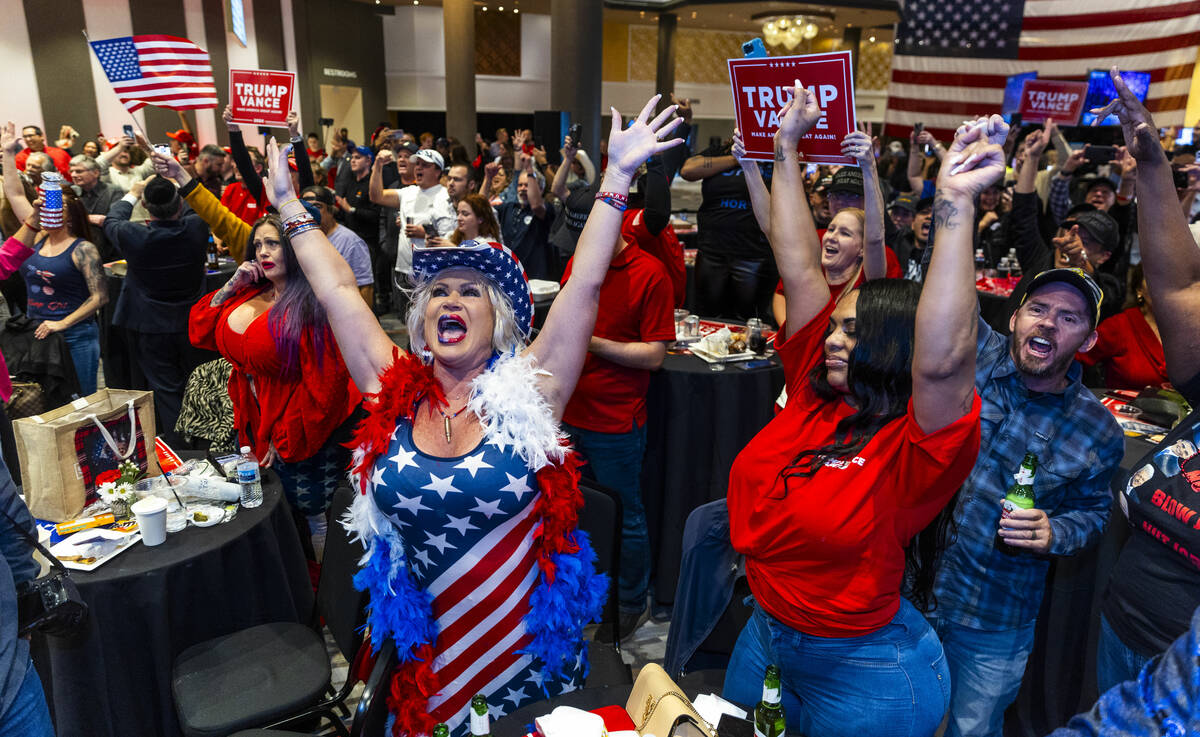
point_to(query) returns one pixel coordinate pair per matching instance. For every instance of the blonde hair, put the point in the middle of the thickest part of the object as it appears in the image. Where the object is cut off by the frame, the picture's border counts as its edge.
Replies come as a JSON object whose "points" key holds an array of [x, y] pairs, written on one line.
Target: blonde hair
{"points": [[507, 335]]}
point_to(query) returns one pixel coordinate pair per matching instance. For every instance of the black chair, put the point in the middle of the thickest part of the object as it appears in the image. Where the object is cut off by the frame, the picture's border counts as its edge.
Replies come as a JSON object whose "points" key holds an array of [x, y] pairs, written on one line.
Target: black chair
{"points": [[600, 518], [279, 672], [371, 715]]}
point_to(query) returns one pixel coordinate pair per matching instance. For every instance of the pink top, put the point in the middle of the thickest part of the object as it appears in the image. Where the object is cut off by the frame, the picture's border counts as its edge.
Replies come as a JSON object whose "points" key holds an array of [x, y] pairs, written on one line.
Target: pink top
{"points": [[12, 254]]}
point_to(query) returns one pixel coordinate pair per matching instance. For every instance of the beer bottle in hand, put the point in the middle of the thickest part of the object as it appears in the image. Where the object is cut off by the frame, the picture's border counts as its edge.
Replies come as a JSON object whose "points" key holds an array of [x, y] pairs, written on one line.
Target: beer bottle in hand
{"points": [[1019, 496], [441, 730], [768, 715], [480, 726]]}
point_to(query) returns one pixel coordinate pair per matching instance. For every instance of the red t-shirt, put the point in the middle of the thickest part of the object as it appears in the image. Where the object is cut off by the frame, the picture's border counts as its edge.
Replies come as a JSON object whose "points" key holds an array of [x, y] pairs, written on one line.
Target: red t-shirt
{"points": [[240, 202], [892, 271], [665, 247], [635, 306], [1130, 351], [825, 555]]}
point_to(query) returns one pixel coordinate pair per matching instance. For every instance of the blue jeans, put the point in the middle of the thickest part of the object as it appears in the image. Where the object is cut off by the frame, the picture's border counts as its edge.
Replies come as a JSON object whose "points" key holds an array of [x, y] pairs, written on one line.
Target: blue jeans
{"points": [[28, 715], [83, 341], [986, 669], [893, 682], [1115, 661], [615, 460]]}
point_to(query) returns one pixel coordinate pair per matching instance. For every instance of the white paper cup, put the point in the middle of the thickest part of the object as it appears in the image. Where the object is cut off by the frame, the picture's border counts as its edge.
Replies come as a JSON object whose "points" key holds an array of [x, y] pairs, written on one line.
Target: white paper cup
{"points": [[151, 514]]}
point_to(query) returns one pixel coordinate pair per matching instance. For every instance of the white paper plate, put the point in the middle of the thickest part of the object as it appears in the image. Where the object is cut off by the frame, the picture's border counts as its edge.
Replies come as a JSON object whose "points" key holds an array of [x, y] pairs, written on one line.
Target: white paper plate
{"points": [[215, 515], [730, 358], [70, 546]]}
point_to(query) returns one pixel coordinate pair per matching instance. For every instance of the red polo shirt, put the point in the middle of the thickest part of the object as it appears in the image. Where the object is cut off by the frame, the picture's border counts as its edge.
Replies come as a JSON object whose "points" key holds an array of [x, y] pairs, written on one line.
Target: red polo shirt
{"points": [[61, 159], [635, 307], [825, 553], [240, 202]]}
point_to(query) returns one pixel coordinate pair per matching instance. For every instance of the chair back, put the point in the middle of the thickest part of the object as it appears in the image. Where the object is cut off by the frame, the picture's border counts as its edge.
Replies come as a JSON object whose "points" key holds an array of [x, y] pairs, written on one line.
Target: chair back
{"points": [[370, 717], [600, 518], [341, 605]]}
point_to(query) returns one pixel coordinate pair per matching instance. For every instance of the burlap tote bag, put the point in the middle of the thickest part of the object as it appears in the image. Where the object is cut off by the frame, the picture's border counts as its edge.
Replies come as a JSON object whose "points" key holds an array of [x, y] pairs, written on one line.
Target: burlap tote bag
{"points": [[63, 451]]}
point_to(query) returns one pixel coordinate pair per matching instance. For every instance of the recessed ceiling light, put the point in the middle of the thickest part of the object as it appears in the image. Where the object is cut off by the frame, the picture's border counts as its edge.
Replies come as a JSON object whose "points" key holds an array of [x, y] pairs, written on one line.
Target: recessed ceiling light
{"points": [[501, 8], [516, 10], [872, 39]]}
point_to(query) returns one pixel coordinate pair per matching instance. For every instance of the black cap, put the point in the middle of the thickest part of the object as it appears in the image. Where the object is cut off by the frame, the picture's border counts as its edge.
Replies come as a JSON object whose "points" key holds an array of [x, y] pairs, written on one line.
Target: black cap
{"points": [[925, 203], [408, 146], [1086, 183], [905, 201], [848, 179], [1076, 277], [1100, 226]]}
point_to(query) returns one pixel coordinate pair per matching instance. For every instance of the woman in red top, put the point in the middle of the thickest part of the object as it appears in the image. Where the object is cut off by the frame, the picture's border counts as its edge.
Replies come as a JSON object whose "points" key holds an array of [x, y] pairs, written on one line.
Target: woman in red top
{"points": [[1129, 347], [881, 429], [293, 400]]}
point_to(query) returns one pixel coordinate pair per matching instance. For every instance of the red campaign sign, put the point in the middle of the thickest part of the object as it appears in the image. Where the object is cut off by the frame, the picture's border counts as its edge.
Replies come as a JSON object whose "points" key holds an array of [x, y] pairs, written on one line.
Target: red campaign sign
{"points": [[761, 87], [261, 96], [1051, 98]]}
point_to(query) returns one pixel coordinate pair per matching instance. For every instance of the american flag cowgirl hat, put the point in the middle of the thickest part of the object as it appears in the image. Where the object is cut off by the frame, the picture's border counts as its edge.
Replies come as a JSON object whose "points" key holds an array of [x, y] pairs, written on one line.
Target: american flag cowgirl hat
{"points": [[490, 259]]}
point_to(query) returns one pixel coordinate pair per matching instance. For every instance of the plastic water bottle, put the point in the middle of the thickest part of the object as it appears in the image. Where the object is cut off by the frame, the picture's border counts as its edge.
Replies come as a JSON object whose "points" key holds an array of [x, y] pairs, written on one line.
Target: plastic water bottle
{"points": [[980, 263], [249, 479], [52, 205]]}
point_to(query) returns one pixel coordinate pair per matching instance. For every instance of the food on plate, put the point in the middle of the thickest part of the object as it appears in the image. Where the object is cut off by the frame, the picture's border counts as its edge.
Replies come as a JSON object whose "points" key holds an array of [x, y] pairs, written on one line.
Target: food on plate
{"points": [[200, 516]]}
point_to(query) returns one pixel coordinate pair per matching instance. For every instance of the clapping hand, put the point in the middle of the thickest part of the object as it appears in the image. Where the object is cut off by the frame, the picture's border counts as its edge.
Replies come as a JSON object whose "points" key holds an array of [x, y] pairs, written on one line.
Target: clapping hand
{"points": [[796, 118], [1137, 125], [628, 148]]}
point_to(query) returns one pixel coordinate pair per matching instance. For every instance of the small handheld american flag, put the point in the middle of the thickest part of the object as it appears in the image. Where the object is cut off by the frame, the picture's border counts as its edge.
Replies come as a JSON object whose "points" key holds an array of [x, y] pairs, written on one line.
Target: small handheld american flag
{"points": [[166, 71]]}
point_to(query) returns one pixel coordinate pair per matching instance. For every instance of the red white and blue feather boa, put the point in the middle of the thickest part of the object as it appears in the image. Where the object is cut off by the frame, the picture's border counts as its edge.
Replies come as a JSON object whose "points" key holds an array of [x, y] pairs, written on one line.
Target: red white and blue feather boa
{"points": [[569, 593]]}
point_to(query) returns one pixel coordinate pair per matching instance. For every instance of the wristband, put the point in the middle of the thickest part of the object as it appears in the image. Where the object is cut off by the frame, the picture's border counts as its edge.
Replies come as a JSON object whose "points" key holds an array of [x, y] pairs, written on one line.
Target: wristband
{"points": [[612, 202], [298, 224], [285, 202], [624, 199], [29, 225]]}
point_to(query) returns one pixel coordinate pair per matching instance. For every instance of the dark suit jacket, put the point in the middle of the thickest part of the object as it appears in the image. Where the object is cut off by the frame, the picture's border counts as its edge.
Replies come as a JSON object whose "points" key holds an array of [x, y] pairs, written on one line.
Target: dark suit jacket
{"points": [[165, 276]]}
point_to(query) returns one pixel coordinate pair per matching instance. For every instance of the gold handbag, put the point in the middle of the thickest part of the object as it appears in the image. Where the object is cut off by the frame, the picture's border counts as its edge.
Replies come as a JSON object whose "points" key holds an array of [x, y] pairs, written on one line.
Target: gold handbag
{"points": [[658, 707]]}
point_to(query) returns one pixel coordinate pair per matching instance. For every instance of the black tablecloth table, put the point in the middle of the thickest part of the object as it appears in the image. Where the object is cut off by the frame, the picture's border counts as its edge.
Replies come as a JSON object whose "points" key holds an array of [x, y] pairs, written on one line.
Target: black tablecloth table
{"points": [[149, 604], [116, 358], [1060, 677], [697, 422]]}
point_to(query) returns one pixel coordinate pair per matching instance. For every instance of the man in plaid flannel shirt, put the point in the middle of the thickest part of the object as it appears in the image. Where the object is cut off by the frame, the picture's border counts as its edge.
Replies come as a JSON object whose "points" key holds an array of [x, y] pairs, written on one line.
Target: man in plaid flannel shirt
{"points": [[1033, 402]]}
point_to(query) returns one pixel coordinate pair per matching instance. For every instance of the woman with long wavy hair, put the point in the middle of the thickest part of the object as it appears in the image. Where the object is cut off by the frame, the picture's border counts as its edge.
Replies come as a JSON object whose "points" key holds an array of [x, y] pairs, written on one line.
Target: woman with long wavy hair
{"points": [[881, 428], [293, 400]]}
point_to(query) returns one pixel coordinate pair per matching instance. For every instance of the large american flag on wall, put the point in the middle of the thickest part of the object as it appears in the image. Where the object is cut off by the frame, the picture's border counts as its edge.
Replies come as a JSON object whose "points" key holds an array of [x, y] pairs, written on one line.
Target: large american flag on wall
{"points": [[952, 56]]}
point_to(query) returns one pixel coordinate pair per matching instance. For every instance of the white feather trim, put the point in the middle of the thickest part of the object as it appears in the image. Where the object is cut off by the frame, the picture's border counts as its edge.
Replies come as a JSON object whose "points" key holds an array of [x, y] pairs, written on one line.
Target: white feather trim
{"points": [[514, 413], [363, 520]]}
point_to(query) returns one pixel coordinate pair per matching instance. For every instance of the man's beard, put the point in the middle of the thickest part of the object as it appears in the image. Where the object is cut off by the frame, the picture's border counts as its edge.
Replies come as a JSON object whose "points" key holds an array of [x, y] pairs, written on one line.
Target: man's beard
{"points": [[1055, 368]]}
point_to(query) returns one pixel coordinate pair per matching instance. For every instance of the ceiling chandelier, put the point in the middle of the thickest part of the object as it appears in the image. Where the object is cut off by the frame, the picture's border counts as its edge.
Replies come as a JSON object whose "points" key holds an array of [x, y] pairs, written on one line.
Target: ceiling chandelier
{"points": [[789, 31]]}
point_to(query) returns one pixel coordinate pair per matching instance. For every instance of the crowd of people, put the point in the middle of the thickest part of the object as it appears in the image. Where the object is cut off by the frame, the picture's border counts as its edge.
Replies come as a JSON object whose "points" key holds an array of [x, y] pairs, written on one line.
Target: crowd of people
{"points": [[890, 586]]}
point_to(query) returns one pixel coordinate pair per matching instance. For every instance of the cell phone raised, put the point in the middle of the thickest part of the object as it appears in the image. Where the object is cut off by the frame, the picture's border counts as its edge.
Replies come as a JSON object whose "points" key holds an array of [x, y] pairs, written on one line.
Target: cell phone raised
{"points": [[754, 49], [1100, 154], [576, 134], [127, 130]]}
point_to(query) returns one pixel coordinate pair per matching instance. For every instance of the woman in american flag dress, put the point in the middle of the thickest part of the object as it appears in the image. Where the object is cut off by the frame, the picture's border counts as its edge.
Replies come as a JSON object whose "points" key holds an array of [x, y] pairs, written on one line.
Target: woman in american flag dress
{"points": [[469, 496]]}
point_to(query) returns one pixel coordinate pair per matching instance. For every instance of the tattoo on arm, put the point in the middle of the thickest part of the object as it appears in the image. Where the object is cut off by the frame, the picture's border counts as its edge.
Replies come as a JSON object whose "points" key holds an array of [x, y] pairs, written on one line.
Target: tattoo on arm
{"points": [[780, 154], [87, 260], [707, 162], [944, 212], [223, 293]]}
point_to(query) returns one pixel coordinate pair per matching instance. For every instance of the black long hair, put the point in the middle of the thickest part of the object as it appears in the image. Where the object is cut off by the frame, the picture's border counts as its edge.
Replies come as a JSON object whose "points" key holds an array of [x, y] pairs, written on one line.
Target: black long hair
{"points": [[880, 385]]}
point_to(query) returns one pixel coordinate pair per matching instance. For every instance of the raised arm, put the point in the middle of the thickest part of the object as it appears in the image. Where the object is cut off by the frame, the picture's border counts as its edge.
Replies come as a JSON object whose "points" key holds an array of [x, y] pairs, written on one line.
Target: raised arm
{"points": [[241, 156], [1169, 254], [558, 187], [760, 196], [14, 191], [860, 146], [366, 349], [562, 345], [943, 366], [791, 231], [1023, 221], [702, 167], [300, 151], [375, 190]]}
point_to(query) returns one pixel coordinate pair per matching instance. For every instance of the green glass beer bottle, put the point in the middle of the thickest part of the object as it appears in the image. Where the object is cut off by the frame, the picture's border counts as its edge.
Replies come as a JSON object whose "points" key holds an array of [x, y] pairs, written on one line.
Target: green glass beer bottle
{"points": [[441, 730], [1020, 496], [480, 724], [768, 715]]}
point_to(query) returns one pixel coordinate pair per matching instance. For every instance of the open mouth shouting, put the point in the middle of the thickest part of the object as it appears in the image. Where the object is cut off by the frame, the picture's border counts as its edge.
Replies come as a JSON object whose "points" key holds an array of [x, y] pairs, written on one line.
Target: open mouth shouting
{"points": [[1039, 347], [451, 329]]}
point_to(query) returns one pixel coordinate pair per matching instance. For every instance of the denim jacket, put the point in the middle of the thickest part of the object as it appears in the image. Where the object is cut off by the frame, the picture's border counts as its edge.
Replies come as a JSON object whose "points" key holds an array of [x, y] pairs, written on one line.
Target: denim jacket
{"points": [[1078, 445]]}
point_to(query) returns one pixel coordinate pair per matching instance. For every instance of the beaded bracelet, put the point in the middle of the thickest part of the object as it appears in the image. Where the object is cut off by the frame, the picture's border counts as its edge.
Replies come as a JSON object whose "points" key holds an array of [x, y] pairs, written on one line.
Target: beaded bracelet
{"points": [[298, 224]]}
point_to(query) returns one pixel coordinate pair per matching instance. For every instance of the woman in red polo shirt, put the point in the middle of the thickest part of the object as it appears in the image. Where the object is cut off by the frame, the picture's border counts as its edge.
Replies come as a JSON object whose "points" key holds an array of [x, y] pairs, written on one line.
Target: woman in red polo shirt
{"points": [[881, 429]]}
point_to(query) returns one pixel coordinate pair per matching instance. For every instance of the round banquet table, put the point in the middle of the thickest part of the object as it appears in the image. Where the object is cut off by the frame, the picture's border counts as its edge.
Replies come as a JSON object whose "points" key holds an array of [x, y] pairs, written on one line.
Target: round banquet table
{"points": [[697, 421], [149, 604]]}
